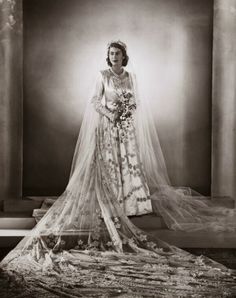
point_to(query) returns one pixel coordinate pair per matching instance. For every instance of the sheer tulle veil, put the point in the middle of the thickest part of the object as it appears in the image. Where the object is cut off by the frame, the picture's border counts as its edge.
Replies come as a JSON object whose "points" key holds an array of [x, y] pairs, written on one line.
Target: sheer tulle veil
{"points": [[181, 207], [87, 241], [78, 211]]}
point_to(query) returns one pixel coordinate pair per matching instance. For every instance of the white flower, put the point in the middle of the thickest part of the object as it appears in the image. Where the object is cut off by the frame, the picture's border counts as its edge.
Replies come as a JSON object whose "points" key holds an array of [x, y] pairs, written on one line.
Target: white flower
{"points": [[151, 245], [80, 242], [143, 237], [131, 241], [118, 225]]}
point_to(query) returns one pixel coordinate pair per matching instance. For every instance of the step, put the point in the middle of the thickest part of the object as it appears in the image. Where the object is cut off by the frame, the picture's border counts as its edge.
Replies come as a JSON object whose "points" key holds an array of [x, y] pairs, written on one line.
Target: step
{"points": [[224, 201], [13, 222], [41, 198], [197, 239], [10, 238], [21, 205], [148, 222], [14, 214], [203, 240], [41, 204], [34, 202]]}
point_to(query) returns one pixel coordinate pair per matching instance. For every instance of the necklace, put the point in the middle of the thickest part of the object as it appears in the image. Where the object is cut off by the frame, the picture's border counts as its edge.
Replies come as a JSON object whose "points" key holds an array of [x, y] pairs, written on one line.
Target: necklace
{"points": [[116, 74]]}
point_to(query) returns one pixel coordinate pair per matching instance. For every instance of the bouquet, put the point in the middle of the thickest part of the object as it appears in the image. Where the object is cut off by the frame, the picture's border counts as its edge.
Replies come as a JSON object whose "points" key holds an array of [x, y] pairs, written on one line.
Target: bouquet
{"points": [[124, 106]]}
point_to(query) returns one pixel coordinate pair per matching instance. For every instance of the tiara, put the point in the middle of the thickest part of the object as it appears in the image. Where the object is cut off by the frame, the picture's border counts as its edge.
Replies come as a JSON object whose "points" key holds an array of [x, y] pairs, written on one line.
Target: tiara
{"points": [[118, 42]]}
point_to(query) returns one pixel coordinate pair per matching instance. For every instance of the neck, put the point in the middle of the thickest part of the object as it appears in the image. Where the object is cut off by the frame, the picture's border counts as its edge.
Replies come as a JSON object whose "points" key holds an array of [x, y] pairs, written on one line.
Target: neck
{"points": [[117, 69]]}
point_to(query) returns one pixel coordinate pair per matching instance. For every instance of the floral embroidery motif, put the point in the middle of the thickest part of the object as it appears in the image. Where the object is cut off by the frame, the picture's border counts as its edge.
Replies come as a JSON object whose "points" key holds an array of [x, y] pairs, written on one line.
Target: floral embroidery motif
{"points": [[143, 237], [151, 245], [51, 240], [118, 152], [117, 222]]}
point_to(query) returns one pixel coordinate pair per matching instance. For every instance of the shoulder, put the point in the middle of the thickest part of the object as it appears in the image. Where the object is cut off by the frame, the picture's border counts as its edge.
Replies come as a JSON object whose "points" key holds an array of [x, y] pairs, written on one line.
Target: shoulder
{"points": [[105, 73]]}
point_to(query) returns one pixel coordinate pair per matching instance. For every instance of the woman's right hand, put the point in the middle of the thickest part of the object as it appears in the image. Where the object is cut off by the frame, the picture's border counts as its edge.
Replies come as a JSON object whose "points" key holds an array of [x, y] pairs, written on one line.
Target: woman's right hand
{"points": [[114, 116]]}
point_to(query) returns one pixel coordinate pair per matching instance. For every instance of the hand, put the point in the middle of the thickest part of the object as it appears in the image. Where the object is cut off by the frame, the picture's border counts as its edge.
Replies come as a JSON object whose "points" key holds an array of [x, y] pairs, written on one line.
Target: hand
{"points": [[115, 116]]}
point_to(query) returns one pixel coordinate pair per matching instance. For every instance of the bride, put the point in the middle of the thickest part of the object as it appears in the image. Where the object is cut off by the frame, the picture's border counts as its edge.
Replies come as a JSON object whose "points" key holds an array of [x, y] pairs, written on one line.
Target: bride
{"points": [[85, 245]]}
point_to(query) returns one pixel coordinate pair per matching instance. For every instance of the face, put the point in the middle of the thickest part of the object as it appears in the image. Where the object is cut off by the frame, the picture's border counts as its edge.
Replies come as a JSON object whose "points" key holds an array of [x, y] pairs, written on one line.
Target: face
{"points": [[116, 56]]}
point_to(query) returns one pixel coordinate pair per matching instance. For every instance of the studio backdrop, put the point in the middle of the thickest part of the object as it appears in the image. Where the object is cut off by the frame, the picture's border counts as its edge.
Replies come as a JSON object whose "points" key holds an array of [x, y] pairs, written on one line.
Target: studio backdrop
{"points": [[170, 45]]}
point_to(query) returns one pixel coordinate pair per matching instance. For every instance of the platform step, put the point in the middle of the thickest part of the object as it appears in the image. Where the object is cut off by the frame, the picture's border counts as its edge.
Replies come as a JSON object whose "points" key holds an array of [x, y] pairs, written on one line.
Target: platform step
{"points": [[225, 201], [148, 222], [10, 222], [41, 198], [14, 214], [197, 239], [10, 238], [21, 205], [208, 240]]}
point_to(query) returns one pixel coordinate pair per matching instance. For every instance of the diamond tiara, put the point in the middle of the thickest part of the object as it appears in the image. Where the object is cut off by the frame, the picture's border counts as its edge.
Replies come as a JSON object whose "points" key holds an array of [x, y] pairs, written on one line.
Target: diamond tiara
{"points": [[118, 42]]}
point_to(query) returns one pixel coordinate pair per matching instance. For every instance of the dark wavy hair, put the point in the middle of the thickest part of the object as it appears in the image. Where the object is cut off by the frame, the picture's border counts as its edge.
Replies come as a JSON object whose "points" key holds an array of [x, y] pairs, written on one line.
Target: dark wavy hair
{"points": [[118, 46]]}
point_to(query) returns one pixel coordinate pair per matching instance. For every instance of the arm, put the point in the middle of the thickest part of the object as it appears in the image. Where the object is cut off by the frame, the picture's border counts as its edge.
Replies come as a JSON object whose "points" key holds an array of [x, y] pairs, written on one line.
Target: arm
{"points": [[97, 99]]}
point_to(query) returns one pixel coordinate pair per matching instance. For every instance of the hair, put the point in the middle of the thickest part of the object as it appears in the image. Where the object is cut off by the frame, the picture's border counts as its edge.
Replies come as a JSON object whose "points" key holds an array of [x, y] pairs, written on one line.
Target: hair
{"points": [[118, 46]]}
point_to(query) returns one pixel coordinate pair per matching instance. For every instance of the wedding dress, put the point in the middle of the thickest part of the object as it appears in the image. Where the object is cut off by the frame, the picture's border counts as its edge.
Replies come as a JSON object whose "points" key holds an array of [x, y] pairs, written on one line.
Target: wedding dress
{"points": [[86, 246]]}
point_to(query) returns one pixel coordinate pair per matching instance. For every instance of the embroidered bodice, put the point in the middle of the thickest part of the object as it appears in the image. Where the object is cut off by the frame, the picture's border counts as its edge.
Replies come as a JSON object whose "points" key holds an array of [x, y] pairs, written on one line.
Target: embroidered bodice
{"points": [[109, 88]]}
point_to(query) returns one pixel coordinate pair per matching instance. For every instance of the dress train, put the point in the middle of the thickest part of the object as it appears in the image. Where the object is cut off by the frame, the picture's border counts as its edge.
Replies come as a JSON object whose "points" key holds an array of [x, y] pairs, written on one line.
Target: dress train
{"points": [[86, 246]]}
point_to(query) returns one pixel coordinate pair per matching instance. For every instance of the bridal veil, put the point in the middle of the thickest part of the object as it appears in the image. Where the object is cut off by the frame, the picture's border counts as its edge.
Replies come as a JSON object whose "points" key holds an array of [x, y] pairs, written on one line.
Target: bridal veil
{"points": [[86, 241]]}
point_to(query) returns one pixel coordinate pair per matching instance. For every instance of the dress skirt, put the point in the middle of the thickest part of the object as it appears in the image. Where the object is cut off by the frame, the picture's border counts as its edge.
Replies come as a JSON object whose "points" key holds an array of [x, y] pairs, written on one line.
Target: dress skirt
{"points": [[122, 166]]}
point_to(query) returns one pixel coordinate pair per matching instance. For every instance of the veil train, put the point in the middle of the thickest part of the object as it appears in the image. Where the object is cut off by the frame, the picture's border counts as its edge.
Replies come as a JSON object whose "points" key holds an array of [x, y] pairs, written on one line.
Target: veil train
{"points": [[86, 246]]}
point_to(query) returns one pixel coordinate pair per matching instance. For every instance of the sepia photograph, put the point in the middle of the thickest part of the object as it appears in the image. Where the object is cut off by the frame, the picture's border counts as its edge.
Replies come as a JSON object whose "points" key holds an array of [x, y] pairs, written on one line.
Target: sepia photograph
{"points": [[117, 148]]}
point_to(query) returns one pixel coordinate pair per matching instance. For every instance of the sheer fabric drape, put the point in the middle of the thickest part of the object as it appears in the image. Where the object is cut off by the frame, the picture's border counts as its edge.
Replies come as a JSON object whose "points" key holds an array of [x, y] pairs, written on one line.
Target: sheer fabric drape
{"points": [[86, 238]]}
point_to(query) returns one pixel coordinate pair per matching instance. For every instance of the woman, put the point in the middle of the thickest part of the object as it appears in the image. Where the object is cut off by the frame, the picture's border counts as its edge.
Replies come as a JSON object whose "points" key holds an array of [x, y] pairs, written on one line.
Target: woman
{"points": [[86, 239], [116, 130]]}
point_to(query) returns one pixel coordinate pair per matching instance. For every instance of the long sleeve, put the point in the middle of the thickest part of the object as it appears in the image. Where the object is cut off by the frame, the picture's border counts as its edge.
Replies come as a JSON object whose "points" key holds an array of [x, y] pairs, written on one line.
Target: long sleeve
{"points": [[97, 99]]}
